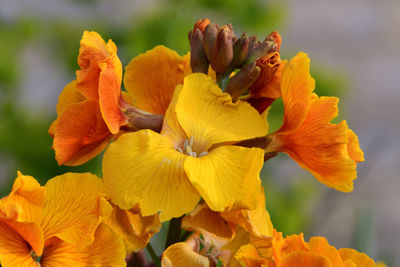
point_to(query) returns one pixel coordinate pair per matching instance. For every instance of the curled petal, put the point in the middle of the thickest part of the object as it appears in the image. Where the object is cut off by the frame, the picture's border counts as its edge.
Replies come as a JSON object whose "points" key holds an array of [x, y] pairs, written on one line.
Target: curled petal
{"points": [[181, 254], [135, 229]]}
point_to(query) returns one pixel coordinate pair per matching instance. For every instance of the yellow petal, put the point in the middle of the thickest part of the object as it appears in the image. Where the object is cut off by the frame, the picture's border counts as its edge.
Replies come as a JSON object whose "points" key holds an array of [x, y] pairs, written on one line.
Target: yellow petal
{"points": [[135, 229], [143, 167], [73, 209], [208, 222], [151, 78], [209, 116], [360, 259], [106, 250], [296, 86], [247, 255], [257, 221], [14, 249], [226, 175], [181, 254]]}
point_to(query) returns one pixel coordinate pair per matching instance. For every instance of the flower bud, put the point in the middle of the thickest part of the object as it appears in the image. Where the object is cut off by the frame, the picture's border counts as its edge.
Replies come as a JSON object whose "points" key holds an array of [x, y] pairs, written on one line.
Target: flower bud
{"points": [[209, 36], [276, 38], [198, 59], [240, 82], [240, 51], [222, 50]]}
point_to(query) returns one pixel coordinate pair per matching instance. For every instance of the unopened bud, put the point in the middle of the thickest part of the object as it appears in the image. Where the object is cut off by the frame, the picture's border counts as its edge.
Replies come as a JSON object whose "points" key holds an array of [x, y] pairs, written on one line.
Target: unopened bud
{"points": [[222, 51], [240, 51], [241, 82], [209, 37], [198, 59], [138, 119], [260, 49]]}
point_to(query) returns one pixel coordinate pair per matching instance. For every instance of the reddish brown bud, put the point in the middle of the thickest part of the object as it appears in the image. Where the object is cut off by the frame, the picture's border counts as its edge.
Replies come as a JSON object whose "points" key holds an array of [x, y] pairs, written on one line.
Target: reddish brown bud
{"points": [[240, 51], [209, 37], [240, 82], [198, 59], [222, 51]]}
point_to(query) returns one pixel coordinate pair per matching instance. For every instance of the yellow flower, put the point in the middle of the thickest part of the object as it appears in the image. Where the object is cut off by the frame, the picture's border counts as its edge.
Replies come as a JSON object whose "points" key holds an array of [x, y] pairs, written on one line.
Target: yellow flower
{"points": [[58, 224], [329, 151], [132, 227], [168, 172], [218, 235]]}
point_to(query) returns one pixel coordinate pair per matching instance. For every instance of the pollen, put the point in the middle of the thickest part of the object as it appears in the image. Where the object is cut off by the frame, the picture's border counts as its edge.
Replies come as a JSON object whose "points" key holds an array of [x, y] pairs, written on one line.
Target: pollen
{"points": [[188, 149]]}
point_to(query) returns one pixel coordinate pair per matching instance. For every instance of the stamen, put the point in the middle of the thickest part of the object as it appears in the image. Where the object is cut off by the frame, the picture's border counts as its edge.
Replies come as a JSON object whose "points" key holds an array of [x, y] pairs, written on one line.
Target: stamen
{"points": [[187, 148], [203, 153]]}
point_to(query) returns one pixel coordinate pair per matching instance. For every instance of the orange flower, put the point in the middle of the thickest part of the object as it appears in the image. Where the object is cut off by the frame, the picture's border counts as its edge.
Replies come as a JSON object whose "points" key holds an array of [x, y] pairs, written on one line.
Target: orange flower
{"points": [[329, 151], [58, 224], [88, 108], [293, 251]]}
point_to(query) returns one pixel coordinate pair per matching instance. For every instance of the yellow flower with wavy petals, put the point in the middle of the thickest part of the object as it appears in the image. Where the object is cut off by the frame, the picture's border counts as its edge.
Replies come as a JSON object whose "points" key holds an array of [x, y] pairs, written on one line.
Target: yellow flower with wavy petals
{"points": [[189, 159]]}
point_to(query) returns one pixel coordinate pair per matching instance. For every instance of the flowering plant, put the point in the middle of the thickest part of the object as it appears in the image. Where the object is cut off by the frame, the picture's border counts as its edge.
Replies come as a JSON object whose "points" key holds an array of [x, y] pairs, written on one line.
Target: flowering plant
{"points": [[185, 138]]}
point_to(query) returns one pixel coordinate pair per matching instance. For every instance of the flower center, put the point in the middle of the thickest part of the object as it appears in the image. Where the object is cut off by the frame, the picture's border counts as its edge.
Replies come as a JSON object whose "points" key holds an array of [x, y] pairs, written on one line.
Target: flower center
{"points": [[188, 149]]}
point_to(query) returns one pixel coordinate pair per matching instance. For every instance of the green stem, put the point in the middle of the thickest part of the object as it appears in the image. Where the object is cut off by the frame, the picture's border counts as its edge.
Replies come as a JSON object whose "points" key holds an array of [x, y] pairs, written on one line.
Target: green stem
{"points": [[174, 232], [153, 255]]}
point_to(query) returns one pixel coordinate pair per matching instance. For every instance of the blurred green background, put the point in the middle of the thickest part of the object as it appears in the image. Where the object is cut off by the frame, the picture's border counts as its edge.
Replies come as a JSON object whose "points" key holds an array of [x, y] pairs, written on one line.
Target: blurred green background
{"points": [[26, 146]]}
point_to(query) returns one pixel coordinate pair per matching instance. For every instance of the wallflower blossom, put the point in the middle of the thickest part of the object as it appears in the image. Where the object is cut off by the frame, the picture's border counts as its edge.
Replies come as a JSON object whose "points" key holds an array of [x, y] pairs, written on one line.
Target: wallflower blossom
{"points": [[188, 159], [88, 109], [58, 224], [329, 151], [293, 251], [218, 235]]}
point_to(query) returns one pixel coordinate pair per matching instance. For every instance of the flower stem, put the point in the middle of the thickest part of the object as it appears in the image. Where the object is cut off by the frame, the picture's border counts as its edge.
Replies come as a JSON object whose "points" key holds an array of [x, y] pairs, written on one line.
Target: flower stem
{"points": [[174, 232], [153, 255]]}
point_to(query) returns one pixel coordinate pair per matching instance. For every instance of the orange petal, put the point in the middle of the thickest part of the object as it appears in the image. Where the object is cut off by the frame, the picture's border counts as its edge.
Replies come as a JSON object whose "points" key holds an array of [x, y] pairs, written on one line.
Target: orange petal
{"points": [[22, 210], [354, 149], [322, 147], [14, 250], [93, 51], [282, 247], [358, 258], [304, 259], [321, 246], [296, 87], [151, 78], [80, 132]]}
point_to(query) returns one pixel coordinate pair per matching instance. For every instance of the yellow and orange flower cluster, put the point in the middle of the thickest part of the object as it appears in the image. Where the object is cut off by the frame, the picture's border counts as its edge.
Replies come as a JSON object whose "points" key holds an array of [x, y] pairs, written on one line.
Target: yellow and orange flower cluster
{"points": [[185, 138]]}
